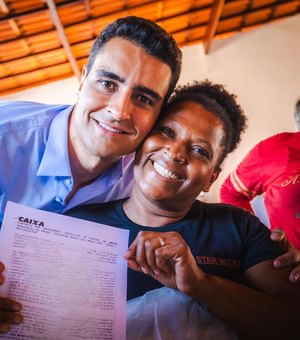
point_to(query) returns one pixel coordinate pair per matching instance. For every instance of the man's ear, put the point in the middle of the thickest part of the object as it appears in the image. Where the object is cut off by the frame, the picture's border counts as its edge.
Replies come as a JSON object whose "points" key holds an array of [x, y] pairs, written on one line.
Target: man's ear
{"points": [[82, 78], [213, 178]]}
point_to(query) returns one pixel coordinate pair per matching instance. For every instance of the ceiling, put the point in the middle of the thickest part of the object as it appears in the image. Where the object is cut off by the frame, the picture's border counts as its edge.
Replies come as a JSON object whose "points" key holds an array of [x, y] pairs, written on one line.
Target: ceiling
{"points": [[46, 40]]}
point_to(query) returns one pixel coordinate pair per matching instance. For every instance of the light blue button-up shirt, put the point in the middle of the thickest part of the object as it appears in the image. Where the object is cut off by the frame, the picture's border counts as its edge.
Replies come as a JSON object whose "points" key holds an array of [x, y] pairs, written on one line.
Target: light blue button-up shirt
{"points": [[34, 161]]}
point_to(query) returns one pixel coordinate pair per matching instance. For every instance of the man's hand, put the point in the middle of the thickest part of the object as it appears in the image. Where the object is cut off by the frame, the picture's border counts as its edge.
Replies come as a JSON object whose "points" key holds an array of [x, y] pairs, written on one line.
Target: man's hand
{"points": [[167, 258], [292, 257], [8, 309]]}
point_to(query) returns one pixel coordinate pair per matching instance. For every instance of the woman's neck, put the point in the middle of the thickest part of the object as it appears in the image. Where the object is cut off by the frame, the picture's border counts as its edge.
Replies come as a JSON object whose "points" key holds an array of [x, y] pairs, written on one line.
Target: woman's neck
{"points": [[151, 213]]}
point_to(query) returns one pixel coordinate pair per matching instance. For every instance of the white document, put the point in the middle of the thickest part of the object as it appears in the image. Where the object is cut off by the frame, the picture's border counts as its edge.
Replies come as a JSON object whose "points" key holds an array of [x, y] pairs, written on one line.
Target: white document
{"points": [[69, 275]]}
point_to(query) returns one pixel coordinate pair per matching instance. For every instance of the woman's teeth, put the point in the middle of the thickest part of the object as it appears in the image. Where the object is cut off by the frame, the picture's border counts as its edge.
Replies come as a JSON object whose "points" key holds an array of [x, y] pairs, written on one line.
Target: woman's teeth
{"points": [[164, 172]]}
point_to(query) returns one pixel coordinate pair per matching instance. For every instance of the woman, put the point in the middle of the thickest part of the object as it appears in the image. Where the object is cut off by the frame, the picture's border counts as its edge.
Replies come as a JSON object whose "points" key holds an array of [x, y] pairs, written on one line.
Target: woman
{"points": [[217, 254]]}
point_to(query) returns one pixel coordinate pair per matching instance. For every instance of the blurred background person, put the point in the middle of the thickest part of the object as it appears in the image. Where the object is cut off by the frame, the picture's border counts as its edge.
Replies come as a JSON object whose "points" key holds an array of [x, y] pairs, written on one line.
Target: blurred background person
{"points": [[271, 169]]}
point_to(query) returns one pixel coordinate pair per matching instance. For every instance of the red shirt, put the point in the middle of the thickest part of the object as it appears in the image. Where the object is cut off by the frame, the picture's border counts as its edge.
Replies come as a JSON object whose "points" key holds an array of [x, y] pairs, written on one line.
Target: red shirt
{"points": [[272, 169]]}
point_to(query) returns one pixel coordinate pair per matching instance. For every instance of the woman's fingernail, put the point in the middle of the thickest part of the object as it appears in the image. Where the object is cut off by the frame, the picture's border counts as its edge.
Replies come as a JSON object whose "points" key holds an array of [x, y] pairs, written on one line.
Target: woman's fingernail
{"points": [[144, 270], [16, 307], [18, 318]]}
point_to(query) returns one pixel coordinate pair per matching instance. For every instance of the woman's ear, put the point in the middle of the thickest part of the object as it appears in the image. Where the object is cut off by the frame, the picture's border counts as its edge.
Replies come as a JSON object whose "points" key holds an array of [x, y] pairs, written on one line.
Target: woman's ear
{"points": [[213, 178]]}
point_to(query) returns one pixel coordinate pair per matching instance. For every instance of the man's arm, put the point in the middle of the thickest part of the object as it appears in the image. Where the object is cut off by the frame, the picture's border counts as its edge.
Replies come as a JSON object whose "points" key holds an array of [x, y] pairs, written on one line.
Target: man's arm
{"points": [[244, 183], [265, 309], [9, 309], [230, 193]]}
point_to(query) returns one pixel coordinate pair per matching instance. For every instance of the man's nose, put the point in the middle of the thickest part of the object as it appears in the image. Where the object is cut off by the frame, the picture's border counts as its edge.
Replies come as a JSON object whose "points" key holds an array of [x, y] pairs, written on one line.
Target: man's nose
{"points": [[120, 106]]}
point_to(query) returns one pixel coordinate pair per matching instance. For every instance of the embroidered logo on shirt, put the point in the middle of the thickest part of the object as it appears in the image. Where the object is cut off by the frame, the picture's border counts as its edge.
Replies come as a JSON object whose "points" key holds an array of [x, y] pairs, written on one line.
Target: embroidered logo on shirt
{"points": [[295, 179]]}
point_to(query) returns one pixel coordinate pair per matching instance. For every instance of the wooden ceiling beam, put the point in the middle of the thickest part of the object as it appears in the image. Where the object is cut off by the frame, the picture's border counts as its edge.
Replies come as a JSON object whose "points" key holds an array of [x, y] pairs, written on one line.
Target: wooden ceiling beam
{"points": [[63, 37], [88, 8], [25, 14], [244, 13], [12, 23], [212, 26], [4, 7]]}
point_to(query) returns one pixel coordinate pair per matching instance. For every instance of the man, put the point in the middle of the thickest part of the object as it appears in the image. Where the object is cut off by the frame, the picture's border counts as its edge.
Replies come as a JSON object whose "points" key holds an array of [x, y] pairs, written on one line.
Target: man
{"points": [[54, 157]]}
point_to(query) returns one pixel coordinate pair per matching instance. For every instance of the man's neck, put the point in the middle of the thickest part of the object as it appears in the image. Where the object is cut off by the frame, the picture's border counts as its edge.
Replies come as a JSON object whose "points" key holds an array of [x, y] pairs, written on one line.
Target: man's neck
{"points": [[86, 169], [84, 174], [85, 166]]}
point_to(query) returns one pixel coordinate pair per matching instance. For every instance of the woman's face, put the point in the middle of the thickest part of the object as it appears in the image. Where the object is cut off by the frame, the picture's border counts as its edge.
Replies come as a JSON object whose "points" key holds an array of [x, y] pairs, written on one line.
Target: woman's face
{"points": [[179, 158]]}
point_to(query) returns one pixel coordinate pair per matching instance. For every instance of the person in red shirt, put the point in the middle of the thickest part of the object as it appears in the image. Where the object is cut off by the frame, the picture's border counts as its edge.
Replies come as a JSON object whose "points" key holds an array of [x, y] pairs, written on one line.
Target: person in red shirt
{"points": [[271, 169]]}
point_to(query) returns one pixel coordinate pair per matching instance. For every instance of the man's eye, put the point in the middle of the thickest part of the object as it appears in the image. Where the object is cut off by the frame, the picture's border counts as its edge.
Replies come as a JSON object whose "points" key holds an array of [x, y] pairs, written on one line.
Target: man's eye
{"points": [[108, 84], [166, 131], [201, 152], [145, 100]]}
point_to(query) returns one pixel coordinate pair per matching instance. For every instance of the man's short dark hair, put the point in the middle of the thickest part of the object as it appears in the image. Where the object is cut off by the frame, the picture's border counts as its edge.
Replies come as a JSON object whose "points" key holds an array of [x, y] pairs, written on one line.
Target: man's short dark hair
{"points": [[146, 34]]}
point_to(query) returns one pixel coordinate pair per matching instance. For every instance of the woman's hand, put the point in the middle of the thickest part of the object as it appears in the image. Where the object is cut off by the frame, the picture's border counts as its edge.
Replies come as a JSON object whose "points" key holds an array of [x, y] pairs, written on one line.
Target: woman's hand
{"points": [[292, 257], [167, 258], [9, 309]]}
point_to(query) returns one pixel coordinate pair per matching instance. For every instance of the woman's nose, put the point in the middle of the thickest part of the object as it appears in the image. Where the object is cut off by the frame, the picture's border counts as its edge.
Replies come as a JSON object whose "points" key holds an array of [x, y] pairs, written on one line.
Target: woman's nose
{"points": [[175, 153]]}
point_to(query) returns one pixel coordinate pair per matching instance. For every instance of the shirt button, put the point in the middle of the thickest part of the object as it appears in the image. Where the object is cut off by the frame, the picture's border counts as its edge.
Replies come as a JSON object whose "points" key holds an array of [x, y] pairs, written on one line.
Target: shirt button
{"points": [[57, 199], [68, 181]]}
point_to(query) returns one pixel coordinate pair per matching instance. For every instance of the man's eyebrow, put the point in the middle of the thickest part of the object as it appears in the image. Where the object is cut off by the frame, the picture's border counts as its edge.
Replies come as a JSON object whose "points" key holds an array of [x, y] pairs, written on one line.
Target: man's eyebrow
{"points": [[140, 88], [110, 75], [148, 91]]}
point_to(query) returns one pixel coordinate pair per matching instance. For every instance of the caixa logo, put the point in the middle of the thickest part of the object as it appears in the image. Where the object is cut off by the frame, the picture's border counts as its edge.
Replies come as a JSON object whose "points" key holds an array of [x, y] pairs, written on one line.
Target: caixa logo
{"points": [[31, 221]]}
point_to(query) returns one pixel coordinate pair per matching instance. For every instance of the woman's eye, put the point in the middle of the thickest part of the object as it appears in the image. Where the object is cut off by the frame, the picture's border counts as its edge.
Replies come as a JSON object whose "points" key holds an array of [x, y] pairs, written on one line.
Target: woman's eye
{"points": [[167, 131], [200, 151]]}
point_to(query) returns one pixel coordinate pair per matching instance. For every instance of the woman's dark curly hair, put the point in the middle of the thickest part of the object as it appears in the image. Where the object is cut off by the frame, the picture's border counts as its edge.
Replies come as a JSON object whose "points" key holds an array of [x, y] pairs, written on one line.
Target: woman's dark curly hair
{"points": [[221, 103]]}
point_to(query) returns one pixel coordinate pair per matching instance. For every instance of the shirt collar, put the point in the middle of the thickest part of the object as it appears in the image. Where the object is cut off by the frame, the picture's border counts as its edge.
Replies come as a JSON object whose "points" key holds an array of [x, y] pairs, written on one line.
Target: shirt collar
{"points": [[55, 160]]}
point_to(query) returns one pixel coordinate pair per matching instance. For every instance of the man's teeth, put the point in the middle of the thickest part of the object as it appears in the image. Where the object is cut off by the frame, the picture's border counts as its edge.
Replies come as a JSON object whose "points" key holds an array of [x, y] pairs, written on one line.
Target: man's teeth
{"points": [[106, 127], [164, 172]]}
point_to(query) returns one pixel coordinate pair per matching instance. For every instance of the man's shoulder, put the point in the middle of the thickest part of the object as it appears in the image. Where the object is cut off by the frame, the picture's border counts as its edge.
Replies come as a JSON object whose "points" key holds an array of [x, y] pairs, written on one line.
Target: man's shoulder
{"points": [[23, 108], [277, 144], [17, 115], [278, 138]]}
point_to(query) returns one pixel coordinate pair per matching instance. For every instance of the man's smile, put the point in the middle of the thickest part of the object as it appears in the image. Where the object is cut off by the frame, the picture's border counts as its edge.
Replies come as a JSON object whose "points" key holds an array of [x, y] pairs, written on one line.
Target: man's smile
{"points": [[109, 128]]}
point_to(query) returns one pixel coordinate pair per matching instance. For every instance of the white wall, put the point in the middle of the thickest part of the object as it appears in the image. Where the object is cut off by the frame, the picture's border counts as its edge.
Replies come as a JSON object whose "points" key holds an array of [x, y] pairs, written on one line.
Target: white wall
{"points": [[58, 92], [261, 66]]}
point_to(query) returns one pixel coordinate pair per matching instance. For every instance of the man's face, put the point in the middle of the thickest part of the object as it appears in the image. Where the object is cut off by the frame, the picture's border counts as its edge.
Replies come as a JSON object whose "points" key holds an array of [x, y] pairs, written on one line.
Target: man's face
{"points": [[179, 157], [119, 101]]}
